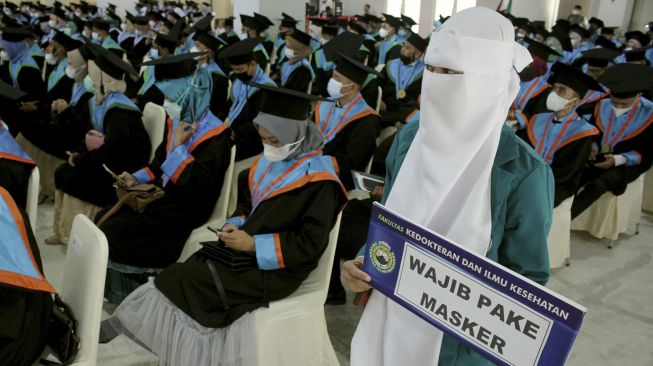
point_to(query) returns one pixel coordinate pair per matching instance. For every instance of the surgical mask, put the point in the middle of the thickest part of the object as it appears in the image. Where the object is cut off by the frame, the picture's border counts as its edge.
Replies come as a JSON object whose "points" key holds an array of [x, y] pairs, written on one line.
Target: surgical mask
{"points": [[323, 41], [123, 27], [575, 42], [152, 23], [72, 72], [52, 23], [95, 36], [194, 49], [153, 54], [521, 35], [628, 48], [4, 55], [621, 111], [50, 59], [243, 36], [402, 33], [383, 33], [290, 53], [88, 84], [334, 88], [575, 12], [556, 103], [172, 109], [280, 153], [219, 31], [86, 34]]}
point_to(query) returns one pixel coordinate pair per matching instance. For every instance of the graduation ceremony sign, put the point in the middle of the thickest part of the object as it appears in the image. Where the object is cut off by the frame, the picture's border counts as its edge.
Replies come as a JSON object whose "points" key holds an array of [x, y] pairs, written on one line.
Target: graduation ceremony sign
{"points": [[504, 316]]}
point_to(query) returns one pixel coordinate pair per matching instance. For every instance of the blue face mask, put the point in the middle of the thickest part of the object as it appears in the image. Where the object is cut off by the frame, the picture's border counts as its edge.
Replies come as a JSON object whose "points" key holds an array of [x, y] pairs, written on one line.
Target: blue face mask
{"points": [[402, 32], [153, 54], [88, 84]]}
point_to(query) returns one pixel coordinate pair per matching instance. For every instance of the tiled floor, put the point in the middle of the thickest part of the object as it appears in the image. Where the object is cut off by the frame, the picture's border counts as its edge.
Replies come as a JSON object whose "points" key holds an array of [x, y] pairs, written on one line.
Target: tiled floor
{"points": [[616, 285]]}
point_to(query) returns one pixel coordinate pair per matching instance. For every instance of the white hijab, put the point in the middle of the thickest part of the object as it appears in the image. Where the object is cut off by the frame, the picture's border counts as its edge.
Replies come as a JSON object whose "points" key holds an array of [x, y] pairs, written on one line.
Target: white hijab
{"points": [[444, 182]]}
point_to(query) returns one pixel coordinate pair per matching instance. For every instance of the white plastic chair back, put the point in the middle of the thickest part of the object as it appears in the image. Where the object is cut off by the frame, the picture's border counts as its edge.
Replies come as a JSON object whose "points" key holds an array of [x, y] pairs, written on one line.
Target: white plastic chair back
{"points": [[267, 69], [647, 200], [378, 100], [309, 87], [239, 166], [154, 121], [229, 84], [32, 203], [379, 67], [218, 217], [559, 235], [83, 283], [385, 133], [292, 331], [612, 215]]}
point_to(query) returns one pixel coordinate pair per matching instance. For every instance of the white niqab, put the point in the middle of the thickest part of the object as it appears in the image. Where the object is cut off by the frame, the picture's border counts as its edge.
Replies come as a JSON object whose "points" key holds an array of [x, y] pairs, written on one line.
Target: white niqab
{"points": [[444, 181]]}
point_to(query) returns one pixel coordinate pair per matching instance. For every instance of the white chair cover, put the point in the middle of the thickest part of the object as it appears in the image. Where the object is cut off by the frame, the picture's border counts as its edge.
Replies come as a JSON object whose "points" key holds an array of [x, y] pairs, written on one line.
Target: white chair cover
{"points": [[33, 196], [647, 200], [154, 121], [558, 240]]}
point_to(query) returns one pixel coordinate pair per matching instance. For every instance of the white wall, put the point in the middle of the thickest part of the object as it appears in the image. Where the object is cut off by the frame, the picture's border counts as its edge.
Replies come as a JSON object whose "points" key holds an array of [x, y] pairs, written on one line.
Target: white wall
{"points": [[642, 14], [616, 13], [545, 10]]}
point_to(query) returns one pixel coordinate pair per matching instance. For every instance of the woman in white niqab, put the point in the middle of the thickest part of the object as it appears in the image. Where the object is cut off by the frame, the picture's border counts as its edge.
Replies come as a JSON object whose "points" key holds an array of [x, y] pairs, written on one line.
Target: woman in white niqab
{"points": [[444, 182]]}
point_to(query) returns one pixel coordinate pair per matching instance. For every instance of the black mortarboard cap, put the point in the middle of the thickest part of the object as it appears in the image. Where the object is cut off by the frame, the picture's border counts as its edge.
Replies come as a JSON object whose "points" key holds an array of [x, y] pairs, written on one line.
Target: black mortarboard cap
{"points": [[543, 32], [140, 20], [574, 78], [392, 21], [523, 23], [288, 21], [563, 24], [605, 43], [263, 19], [347, 43], [639, 36], [300, 37], [599, 57], [354, 70], [563, 37], [66, 42], [59, 12], [203, 25], [101, 24], [373, 18], [626, 80], [637, 54], [285, 103], [111, 64], [209, 41], [541, 50], [418, 42], [608, 31], [174, 67], [240, 52], [594, 20], [408, 21], [584, 33], [11, 34], [251, 22], [166, 41], [356, 27], [9, 92], [330, 30]]}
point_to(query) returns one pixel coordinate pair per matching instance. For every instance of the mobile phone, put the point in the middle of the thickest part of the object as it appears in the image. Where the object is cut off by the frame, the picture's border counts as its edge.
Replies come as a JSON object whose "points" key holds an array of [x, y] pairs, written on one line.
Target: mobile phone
{"points": [[214, 230], [113, 175]]}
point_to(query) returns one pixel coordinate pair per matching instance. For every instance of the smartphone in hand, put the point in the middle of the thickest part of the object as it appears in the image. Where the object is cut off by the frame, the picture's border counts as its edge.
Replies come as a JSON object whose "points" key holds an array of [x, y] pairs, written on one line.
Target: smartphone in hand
{"points": [[214, 230], [114, 175]]}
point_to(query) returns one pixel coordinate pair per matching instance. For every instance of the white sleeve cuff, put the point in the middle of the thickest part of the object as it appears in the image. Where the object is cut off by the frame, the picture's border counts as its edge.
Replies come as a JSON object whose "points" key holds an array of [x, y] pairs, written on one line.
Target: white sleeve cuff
{"points": [[619, 160]]}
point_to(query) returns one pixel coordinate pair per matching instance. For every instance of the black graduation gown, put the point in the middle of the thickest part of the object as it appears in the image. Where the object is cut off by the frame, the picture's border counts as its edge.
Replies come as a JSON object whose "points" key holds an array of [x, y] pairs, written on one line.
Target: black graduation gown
{"points": [[153, 94], [394, 110], [14, 176], [24, 315], [126, 148], [269, 46], [353, 147], [136, 53], [229, 37], [219, 93], [165, 224], [370, 92], [538, 104], [248, 142], [303, 217], [31, 82], [298, 80], [63, 132], [321, 79]]}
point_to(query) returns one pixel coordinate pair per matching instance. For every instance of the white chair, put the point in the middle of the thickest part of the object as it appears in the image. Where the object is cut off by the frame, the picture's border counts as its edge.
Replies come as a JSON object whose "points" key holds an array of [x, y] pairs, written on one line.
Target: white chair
{"points": [[559, 235], [647, 200], [379, 67], [268, 67], [309, 87], [378, 100], [612, 215], [293, 331], [154, 121], [218, 217], [32, 203], [385, 133], [239, 166], [83, 284]]}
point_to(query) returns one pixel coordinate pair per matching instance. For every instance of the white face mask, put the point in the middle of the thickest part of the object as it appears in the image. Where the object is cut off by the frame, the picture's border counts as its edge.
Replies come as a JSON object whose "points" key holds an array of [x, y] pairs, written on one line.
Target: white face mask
{"points": [[52, 23], [95, 36], [123, 27], [72, 72], [575, 42], [219, 31], [556, 103], [172, 109], [194, 49], [280, 153], [153, 54], [4, 55], [383, 33], [334, 88], [88, 84], [243, 36], [290, 53], [50, 59], [152, 23], [621, 111], [323, 41]]}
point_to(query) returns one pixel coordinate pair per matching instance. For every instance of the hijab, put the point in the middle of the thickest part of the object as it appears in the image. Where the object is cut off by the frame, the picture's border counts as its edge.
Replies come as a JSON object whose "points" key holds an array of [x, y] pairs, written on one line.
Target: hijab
{"points": [[195, 90], [288, 131]]}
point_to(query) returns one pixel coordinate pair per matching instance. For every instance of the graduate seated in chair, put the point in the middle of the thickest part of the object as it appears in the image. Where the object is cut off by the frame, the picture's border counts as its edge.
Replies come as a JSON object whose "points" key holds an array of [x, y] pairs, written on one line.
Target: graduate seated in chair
{"points": [[561, 137], [621, 151], [189, 164], [25, 294], [15, 164], [280, 231], [163, 46], [296, 72], [115, 137], [210, 46], [349, 126]]}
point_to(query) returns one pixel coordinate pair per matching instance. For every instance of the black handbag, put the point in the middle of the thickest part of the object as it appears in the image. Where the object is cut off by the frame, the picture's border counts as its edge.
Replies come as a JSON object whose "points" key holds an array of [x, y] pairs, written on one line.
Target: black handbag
{"points": [[62, 334], [234, 260]]}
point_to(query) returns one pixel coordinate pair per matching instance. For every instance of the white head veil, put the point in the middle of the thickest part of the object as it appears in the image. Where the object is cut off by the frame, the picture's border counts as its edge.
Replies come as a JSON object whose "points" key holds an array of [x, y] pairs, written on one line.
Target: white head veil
{"points": [[444, 181]]}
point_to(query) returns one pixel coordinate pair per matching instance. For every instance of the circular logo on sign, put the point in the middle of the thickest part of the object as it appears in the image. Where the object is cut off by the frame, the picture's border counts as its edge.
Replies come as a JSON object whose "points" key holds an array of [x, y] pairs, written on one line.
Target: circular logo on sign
{"points": [[383, 259]]}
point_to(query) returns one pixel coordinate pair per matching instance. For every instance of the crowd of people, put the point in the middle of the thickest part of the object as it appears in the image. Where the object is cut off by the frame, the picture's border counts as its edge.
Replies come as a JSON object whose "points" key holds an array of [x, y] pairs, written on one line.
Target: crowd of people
{"points": [[494, 121]]}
